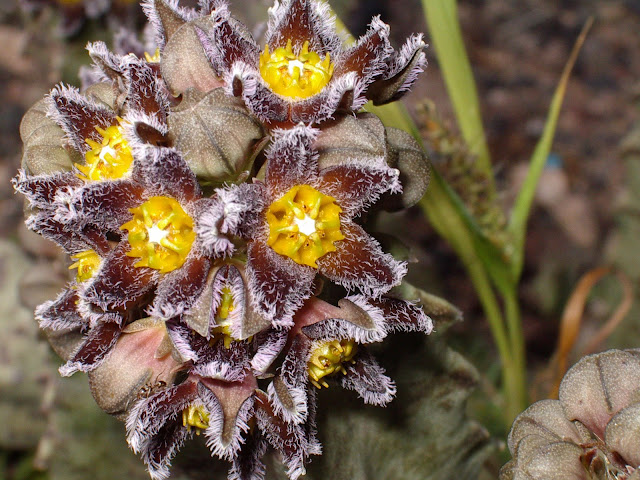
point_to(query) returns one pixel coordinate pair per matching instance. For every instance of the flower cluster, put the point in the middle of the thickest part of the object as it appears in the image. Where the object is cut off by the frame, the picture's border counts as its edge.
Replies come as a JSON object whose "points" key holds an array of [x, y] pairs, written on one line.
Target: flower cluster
{"points": [[209, 197], [591, 432]]}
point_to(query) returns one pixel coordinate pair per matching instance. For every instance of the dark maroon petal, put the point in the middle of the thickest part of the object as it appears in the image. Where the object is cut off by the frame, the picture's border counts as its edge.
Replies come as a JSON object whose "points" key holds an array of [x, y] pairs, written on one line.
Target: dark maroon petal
{"points": [[44, 224], [289, 439], [402, 316], [277, 284], [230, 407], [104, 204], [178, 290], [367, 378], [95, 348], [150, 415], [367, 57], [158, 452], [360, 263], [61, 313], [41, 190], [185, 341], [291, 161], [269, 345], [107, 62], [145, 92], [163, 172], [354, 319], [118, 284], [248, 465], [221, 363], [79, 116], [301, 21], [356, 187], [401, 72], [288, 390], [338, 95], [229, 41], [266, 105]]}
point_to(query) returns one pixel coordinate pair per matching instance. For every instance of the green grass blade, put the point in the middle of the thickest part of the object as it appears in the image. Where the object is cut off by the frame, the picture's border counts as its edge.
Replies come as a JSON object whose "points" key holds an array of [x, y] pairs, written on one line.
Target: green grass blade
{"points": [[522, 205], [444, 28]]}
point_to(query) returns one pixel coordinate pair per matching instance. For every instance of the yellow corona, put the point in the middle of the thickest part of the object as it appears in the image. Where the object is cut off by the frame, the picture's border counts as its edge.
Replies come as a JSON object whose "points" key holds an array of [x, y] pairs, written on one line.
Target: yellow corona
{"points": [[328, 358], [295, 76], [87, 263], [304, 224], [155, 58], [195, 417], [222, 330], [160, 234], [109, 159]]}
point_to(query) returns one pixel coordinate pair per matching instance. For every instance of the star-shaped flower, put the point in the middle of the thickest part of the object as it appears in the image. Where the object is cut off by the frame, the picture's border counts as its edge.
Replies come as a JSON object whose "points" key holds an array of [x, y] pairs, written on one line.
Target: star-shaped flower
{"points": [[303, 73], [299, 222]]}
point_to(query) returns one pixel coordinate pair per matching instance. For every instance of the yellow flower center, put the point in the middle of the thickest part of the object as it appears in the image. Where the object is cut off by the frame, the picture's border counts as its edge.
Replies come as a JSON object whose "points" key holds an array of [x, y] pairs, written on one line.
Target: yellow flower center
{"points": [[160, 234], [87, 263], [155, 58], [296, 76], [107, 160], [222, 330], [328, 358], [195, 417], [304, 224]]}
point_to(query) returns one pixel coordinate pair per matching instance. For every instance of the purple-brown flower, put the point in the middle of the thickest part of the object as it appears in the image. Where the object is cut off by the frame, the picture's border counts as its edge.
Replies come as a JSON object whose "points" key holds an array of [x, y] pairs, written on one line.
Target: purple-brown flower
{"points": [[303, 73], [299, 222]]}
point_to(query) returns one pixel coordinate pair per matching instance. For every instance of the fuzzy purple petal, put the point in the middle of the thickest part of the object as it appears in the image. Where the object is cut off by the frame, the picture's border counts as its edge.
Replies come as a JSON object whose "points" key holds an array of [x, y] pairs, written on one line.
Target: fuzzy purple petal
{"points": [[104, 204], [78, 116], [278, 285], [401, 315], [41, 190], [247, 464], [356, 187], [61, 313], [291, 161], [228, 42], [179, 289], [163, 172], [221, 363], [95, 349], [150, 415], [367, 57], [367, 378], [230, 407], [301, 21], [288, 391], [354, 318], [360, 263], [118, 284]]}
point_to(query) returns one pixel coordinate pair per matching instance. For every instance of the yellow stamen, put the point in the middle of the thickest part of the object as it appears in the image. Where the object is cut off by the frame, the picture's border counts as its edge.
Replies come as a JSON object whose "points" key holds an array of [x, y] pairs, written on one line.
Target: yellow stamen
{"points": [[109, 159], [328, 358], [155, 58], [222, 330], [297, 76], [87, 263], [304, 224], [160, 234], [195, 417]]}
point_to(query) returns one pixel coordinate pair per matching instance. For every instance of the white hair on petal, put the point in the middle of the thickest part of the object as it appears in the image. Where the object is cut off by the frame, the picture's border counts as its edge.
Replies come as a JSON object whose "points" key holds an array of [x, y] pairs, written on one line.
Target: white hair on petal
{"points": [[268, 351], [219, 370], [340, 328], [182, 346], [298, 396], [403, 57], [207, 227], [215, 430], [369, 381]]}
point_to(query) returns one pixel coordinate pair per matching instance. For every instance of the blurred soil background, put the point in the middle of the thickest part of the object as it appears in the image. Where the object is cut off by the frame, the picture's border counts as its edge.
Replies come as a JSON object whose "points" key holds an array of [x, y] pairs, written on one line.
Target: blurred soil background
{"points": [[587, 211]]}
